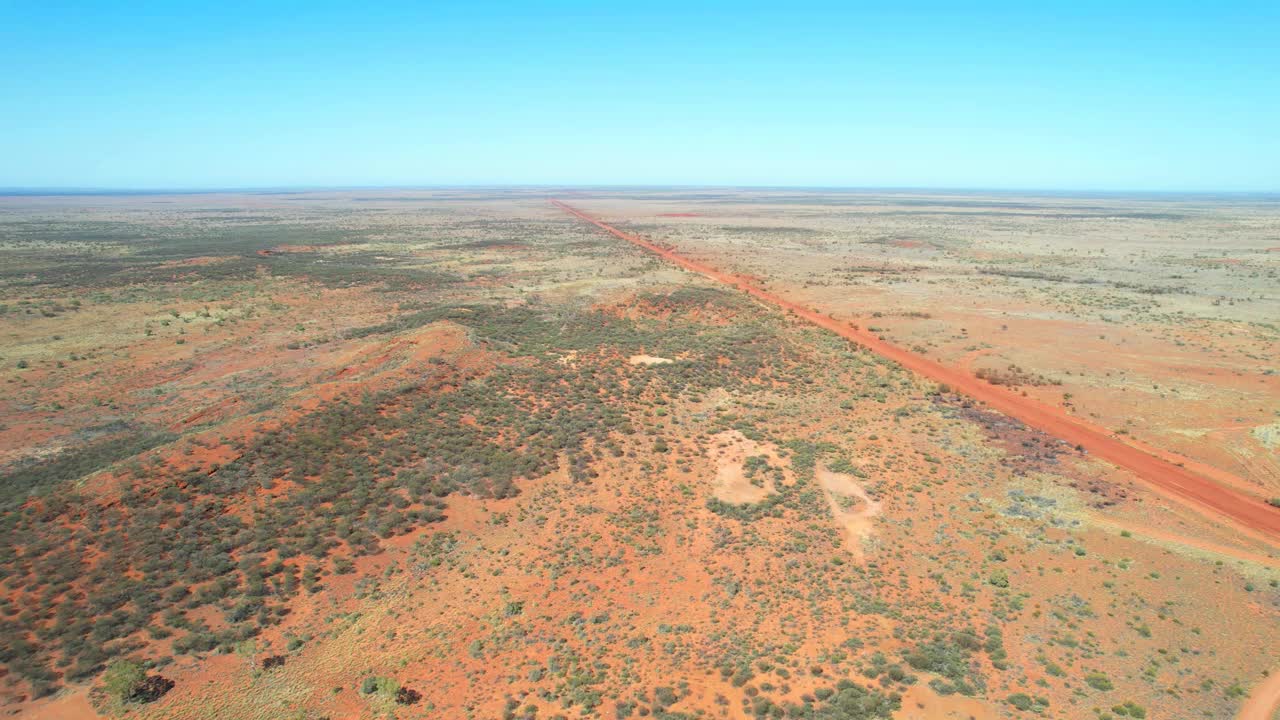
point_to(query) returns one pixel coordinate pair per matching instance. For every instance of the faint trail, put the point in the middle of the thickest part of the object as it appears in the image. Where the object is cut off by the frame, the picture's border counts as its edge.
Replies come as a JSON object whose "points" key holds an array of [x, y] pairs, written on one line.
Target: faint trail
{"points": [[1202, 489], [1144, 531], [967, 360]]}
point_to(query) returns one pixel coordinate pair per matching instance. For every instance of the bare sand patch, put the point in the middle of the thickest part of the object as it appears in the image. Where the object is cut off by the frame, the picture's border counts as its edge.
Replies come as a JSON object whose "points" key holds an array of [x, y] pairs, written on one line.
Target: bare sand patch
{"points": [[198, 261], [736, 482], [921, 702], [648, 360], [70, 705], [851, 507]]}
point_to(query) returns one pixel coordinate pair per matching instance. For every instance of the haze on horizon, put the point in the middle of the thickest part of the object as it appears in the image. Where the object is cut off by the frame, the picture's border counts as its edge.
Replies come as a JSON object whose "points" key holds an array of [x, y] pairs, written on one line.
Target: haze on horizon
{"points": [[1161, 97]]}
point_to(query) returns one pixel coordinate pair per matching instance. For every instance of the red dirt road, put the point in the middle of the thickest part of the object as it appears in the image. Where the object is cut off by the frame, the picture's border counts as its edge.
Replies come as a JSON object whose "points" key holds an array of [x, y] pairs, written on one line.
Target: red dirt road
{"points": [[1161, 470], [1264, 701]]}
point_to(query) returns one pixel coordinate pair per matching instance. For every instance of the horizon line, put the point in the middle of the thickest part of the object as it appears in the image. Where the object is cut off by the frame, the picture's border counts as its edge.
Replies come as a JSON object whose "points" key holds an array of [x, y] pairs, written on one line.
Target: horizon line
{"points": [[107, 190]]}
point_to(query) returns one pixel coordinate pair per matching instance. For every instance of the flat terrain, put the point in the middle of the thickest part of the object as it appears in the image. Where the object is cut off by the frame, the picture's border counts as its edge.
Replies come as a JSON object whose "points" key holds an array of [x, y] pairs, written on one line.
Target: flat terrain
{"points": [[1152, 316], [1206, 488], [461, 454]]}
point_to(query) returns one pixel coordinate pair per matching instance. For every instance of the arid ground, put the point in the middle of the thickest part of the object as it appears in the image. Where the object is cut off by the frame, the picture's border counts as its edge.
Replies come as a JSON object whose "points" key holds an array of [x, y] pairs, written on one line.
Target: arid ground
{"points": [[463, 454]]}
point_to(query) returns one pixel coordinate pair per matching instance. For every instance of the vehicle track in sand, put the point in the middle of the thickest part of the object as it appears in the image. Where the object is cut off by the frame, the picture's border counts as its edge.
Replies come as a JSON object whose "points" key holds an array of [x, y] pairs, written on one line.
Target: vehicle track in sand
{"points": [[1263, 702], [1209, 490]]}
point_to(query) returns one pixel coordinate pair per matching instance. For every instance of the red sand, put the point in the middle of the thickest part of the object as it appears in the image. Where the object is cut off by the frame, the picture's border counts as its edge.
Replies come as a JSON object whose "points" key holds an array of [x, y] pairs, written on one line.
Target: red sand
{"points": [[1164, 471]]}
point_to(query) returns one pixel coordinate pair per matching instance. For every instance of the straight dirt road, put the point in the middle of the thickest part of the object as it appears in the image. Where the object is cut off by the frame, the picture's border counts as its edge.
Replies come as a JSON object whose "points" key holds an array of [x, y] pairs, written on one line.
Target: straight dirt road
{"points": [[1220, 498]]}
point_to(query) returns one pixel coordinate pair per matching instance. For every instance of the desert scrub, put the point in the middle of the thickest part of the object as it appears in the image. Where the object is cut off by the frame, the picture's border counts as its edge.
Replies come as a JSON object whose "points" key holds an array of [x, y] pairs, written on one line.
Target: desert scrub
{"points": [[1099, 681], [948, 656]]}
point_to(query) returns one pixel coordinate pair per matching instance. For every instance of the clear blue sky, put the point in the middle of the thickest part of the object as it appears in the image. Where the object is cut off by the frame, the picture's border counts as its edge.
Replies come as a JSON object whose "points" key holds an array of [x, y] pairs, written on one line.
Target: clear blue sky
{"points": [[1072, 95]]}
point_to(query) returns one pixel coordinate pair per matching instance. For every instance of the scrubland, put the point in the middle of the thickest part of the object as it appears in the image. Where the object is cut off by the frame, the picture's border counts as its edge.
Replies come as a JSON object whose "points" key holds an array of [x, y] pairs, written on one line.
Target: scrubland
{"points": [[455, 454]]}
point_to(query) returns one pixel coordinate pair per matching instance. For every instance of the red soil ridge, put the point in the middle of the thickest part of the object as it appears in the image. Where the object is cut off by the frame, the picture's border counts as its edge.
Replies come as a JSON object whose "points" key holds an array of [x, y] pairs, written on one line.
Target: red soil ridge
{"points": [[1162, 470]]}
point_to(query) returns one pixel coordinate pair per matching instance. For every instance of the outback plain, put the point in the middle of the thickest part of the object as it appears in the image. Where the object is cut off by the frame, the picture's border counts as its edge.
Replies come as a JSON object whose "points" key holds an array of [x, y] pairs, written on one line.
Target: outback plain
{"points": [[464, 454]]}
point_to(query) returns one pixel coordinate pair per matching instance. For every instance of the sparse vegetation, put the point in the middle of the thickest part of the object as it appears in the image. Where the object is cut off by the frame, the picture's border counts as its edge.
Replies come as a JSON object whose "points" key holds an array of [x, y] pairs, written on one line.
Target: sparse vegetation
{"points": [[397, 455]]}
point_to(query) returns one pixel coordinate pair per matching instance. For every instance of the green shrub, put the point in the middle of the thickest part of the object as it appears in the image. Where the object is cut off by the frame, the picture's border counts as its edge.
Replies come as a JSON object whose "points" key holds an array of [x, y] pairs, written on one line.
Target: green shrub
{"points": [[1099, 681], [1021, 701], [123, 678], [1130, 709]]}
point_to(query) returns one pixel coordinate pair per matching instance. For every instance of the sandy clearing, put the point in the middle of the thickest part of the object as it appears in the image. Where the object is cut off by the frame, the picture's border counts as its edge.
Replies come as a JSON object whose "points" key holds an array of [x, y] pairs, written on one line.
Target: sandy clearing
{"points": [[920, 702], [70, 705], [198, 261], [648, 360], [851, 507], [730, 451], [1194, 484]]}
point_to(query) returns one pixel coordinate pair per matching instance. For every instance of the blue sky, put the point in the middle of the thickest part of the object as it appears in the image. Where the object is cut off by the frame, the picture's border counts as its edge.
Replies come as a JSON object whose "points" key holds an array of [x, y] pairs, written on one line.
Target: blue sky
{"points": [[1079, 95]]}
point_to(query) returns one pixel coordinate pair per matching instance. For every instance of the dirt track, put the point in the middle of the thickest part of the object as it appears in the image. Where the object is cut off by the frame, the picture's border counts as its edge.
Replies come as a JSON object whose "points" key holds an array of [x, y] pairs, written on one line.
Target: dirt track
{"points": [[1263, 702], [1161, 470]]}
